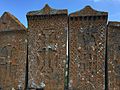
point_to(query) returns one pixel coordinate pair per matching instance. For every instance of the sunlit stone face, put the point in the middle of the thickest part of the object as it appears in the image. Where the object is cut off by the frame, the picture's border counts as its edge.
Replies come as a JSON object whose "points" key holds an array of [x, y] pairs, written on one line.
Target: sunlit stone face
{"points": [[113, 56], [13, 52], [87, 53], [47, 52]]}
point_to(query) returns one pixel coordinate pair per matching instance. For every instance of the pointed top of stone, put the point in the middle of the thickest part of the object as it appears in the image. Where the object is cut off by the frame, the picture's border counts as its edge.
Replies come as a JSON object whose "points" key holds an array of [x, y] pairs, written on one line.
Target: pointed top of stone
{"points": [[114, 23], [10, 22], [47, 10], [88, 11]]}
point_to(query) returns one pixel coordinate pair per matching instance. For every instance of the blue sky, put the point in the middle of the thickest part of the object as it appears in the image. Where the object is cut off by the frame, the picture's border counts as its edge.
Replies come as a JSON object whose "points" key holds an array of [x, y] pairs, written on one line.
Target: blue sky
{"points": [[19, 8]]}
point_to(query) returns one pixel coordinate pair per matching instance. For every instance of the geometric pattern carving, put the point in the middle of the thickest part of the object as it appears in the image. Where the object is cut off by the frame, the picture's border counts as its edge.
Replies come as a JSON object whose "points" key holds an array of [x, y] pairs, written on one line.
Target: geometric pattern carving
{"points": [[87, 49], [47, 48], [46, 60], [87, 58], [113, 56]]}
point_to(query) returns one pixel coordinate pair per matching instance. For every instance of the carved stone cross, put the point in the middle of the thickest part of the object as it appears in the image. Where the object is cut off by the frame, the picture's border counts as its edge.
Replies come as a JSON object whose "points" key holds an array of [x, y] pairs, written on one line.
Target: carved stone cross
{"points": [[47, 50]]}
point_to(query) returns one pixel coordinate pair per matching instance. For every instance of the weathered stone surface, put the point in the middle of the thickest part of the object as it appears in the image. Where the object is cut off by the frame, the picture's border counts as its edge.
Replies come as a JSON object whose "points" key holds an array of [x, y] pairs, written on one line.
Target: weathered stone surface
{"points": [[87, 30], [13, 45], [47, 10], [88, 11], [114, 55], [47, 50], [47, 47], [10, 22]]}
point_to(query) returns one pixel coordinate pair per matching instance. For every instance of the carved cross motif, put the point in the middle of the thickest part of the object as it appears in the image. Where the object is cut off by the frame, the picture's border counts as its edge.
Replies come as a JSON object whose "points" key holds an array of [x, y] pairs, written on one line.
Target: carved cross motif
{"points": [[47, 50]]}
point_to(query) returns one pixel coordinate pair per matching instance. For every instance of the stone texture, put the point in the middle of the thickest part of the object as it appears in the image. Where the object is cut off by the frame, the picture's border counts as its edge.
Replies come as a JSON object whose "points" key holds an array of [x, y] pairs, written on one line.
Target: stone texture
{"points": [[87, 49], [13, 45], [10, 22], [113, 55], [88, 11], [47, 10], [47, 49]]}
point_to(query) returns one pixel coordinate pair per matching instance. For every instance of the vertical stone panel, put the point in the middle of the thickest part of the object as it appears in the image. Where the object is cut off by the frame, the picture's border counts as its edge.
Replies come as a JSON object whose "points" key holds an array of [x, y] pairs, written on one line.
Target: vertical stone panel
{"points": [[47, 48], [12, 59], [87, 30], [13, 47], [114, 56]]}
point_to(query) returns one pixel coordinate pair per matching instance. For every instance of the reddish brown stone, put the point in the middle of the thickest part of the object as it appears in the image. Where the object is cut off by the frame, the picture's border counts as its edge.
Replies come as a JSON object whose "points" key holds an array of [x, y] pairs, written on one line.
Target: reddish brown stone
{"points": [[12, 52], [10, 22], [87, 49], [47, 48], [113, 55]]}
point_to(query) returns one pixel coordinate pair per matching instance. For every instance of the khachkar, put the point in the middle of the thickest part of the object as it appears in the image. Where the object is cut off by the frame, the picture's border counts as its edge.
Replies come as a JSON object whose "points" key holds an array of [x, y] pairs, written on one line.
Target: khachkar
{"points": [[47, 48], [13, 45], [113, 55], [87, 30]]}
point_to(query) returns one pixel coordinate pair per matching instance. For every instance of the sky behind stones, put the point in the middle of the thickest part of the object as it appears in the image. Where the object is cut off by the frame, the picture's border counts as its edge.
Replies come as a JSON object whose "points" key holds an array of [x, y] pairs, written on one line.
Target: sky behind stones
{"points": [[19, 8]]}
